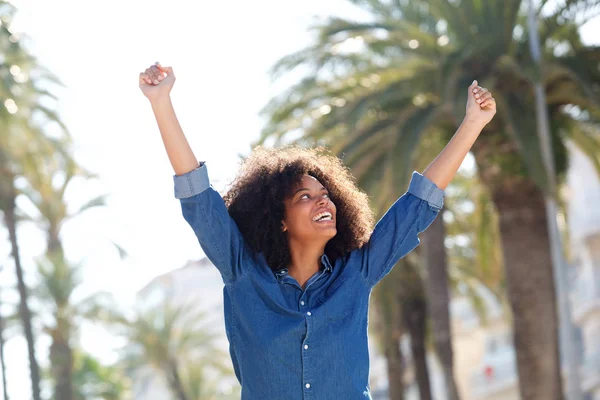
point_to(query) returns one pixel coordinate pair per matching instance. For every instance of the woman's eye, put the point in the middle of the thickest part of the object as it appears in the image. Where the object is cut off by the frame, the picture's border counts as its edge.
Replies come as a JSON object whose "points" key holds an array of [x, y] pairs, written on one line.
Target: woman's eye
{"points": [[326, 195], [304, 196]]}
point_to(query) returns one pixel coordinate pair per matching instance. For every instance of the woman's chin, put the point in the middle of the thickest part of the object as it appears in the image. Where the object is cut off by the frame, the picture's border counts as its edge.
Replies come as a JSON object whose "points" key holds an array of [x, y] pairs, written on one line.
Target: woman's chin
{"points": [[329, 233]]}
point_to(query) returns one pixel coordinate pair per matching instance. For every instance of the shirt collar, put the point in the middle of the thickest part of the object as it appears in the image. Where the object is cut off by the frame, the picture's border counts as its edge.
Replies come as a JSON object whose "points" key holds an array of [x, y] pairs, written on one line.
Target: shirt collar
{"points": [[326, 264], [283, 272]]}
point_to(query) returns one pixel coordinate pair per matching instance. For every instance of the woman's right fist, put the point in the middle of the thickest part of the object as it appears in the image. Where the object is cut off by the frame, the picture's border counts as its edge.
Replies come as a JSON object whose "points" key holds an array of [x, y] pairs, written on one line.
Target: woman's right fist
{"points": [[157, 81]]}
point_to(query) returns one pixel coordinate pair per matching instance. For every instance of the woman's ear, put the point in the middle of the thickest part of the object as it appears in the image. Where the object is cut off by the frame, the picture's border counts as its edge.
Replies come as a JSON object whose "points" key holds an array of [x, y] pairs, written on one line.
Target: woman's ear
{"points": [[283, 227]]}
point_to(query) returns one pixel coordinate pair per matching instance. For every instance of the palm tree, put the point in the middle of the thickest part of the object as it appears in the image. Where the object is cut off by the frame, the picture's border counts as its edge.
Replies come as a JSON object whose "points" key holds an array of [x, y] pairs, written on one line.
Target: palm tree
{"points": [[466, 239], [402, 289], [24, 111], [92, 380], [58, 281], [377, 88], [168, 339], [58, 278], [473, 219], [414, 317], [200, 387], [8, 206], [388, 329], [437, 290], [436, 279]]}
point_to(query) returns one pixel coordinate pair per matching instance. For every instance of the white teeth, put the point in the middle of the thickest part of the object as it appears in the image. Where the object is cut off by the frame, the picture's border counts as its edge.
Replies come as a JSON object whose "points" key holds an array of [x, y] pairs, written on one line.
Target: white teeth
{"points": [[324, 216]]}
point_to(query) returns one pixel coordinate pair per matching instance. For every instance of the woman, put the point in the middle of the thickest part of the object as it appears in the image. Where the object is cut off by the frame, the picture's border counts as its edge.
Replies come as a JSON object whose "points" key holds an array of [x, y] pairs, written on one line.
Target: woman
{"points": [[294, 243]]}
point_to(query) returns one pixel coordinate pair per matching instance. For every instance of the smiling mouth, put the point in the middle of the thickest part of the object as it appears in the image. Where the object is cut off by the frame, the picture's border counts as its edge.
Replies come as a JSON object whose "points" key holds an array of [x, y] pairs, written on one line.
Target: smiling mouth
{"points": [[323, 217]]}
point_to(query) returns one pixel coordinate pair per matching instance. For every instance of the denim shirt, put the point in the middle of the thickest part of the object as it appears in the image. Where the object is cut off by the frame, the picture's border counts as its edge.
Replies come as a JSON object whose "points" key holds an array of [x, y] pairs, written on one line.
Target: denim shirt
{"points": [[290, 343]]}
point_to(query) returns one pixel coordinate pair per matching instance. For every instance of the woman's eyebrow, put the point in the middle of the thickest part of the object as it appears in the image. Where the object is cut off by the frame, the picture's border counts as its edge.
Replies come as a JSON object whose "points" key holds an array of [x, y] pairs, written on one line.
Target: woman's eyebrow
{"points": [[323, 188]]}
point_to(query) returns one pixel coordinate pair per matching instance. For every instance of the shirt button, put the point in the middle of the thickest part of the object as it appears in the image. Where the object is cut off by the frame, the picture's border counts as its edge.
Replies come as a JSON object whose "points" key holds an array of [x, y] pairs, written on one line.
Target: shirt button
{"points": [[302, 303], [307, 385], [305, 347], [309, 313]]}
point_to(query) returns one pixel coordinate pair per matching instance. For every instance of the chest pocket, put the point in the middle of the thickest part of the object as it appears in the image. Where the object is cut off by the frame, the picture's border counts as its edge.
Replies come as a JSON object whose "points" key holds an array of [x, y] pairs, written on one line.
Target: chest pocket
{"points": [[337, 301]]}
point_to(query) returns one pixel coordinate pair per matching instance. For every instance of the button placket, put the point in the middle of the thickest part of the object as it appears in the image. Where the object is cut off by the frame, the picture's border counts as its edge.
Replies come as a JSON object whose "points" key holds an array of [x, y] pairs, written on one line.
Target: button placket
{"points": [[306, 356], [307, 376]]}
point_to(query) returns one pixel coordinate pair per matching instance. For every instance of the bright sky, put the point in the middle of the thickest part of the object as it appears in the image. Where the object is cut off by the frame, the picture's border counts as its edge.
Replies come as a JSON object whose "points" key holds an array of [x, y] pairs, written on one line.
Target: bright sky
{"points": [[220, 52]]}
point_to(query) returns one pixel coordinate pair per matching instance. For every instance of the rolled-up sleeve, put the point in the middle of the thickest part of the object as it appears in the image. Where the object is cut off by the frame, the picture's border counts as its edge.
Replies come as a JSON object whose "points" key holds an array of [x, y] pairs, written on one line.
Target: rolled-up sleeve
{"points": [[425, 189], [192, 183], [204, 210], [396, 233]]}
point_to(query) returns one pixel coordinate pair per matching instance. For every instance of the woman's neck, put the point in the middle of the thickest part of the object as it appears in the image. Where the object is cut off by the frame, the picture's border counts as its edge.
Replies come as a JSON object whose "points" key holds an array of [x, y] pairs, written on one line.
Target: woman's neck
{"points": [[305, 261]]}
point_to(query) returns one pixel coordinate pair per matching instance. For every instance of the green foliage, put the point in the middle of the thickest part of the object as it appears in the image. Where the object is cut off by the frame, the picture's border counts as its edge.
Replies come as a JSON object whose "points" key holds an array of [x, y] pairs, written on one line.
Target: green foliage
{"points": [[93, 380], [176, 341], [375, 88], [473, 242]]}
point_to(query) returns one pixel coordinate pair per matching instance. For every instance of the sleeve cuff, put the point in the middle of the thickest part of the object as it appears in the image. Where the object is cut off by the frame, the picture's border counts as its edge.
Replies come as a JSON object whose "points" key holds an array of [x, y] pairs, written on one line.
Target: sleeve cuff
{"points": [[425, 189], [191, 183]]}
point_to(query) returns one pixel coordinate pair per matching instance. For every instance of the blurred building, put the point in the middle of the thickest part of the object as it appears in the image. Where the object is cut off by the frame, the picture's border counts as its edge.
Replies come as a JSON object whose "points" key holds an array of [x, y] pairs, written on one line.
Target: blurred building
{"points": [[484, 358], [584, 228]]}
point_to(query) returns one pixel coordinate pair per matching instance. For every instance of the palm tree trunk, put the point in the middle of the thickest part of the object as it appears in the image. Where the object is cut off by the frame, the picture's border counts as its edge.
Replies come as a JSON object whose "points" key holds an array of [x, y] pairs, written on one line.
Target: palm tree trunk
{"points": [[391, 332], [54, 247], [395, 370], [175, 381], [415, 315], [531, 289], [61, 360], [528, 268], [8, 198], [438, 300], [387, 323], [2, 360], [61, 353]]}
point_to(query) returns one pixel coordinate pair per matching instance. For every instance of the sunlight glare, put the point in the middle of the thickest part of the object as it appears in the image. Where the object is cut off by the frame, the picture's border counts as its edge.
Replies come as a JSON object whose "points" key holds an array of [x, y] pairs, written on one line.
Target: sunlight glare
{"points": [[11, 106], [15, 70], [325, 109], [443, 40], [338, 101]]}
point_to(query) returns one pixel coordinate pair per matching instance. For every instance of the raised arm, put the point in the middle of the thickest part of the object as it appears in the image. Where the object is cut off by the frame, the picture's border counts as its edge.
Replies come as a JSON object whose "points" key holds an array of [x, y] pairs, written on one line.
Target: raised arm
{"points": [[202, 207], [481, 108], [397, 233], [156, 84]]}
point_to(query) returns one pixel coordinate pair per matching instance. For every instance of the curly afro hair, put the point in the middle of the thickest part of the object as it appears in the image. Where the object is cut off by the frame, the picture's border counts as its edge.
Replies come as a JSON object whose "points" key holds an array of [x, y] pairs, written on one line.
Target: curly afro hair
{"points": [[256, 200]]}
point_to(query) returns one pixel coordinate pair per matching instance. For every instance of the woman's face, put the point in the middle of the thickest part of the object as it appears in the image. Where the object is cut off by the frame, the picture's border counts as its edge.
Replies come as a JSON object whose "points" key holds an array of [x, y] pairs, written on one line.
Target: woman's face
{"points": [[310, 216]]}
